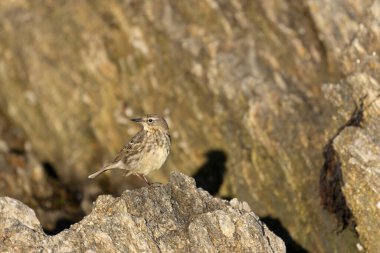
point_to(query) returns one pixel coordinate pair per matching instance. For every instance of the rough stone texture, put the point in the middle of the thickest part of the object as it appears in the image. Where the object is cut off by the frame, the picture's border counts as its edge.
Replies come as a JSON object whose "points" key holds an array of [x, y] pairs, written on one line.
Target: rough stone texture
{"points": [[360, 152], [23, 177], [176, 217], [268, 82], [358, 147]]}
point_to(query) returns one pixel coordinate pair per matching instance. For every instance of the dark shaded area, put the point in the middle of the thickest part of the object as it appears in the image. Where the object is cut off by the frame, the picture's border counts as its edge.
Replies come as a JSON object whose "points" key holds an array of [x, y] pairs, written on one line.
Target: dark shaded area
{"points": [[17, 151], [60, 225], [50, 170], [331, 179], [276, 227], [64, 205], [330, 189], [211, 174]]}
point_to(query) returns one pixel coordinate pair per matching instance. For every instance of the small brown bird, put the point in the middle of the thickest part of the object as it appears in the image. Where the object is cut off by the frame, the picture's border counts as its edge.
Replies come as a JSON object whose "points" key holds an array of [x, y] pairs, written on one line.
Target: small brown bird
{"points": [[146, 152]]}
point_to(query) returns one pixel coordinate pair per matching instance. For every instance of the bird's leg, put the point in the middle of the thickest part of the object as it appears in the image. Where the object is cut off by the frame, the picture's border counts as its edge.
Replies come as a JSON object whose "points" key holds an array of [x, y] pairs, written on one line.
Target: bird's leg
{"points": [[144, 178], [127, 173]]}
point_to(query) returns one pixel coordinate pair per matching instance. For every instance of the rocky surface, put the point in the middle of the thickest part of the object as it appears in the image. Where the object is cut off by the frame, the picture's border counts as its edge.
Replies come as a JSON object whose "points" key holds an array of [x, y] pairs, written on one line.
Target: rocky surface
{"points": [[176, 217], [269, 83], [357, 143], [24, 177], [359, 152]]}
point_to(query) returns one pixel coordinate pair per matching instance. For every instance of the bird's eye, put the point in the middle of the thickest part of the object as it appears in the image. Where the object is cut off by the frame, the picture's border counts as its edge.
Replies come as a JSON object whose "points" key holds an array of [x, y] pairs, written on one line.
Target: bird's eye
{"points": [[150, 120]]}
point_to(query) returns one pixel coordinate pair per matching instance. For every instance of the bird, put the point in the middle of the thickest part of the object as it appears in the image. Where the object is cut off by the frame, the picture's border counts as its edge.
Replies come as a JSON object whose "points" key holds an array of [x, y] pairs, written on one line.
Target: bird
{"points": [[146, 151]]}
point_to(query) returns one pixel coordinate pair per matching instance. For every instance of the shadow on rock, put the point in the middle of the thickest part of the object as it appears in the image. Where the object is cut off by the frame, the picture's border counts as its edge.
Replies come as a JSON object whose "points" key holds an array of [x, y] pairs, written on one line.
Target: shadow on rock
{"points": [[210, 175], [60, 225], [275, 225]]}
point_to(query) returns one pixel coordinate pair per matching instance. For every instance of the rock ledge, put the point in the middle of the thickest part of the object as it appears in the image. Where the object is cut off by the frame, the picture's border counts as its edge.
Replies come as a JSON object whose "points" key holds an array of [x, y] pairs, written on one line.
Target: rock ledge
{"points": [[176, 217]]}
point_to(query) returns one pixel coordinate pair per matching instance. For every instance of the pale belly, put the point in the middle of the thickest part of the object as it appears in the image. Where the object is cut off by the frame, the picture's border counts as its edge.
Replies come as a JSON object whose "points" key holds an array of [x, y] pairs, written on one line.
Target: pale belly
{"points": [[151, 161]]}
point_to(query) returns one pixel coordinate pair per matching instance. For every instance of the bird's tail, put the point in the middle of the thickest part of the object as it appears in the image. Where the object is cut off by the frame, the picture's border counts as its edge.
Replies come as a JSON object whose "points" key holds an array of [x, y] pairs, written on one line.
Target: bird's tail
{"points": [[98, 173], [110, 167]]}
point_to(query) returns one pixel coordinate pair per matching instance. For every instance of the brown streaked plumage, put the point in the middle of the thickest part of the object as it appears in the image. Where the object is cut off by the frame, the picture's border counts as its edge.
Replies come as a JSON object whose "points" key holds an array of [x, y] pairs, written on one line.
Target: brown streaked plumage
{"points": [[146, 151]]}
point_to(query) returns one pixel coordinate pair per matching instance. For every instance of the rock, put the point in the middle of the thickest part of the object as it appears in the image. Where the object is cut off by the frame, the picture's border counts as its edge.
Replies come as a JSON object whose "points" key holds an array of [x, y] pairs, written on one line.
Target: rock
{"points": [[356, 99], [176, 217], [360, 155], [268, 83], [23, 177]]}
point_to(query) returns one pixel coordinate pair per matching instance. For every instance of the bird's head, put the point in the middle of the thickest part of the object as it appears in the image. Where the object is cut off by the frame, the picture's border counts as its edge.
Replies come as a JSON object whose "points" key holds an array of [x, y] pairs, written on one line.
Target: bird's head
{"points": [[152, 122]]}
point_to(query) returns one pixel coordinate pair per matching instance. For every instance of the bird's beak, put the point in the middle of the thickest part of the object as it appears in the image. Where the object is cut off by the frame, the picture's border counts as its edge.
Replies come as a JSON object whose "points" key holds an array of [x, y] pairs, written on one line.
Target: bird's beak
{"points": [[138, 120]]}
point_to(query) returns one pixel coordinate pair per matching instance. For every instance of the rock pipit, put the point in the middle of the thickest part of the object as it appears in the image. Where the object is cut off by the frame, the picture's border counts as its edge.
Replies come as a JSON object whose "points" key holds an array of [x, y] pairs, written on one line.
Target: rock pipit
{"points": [[146, 152]]}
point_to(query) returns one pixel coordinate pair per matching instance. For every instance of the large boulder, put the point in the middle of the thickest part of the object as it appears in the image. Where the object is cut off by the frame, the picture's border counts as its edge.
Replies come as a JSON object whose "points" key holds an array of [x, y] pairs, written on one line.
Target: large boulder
{"points": [[267, 83], [176, 217]]}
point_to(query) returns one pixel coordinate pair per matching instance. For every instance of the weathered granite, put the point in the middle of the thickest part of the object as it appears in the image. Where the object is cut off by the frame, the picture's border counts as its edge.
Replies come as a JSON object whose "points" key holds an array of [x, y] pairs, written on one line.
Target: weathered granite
{"points": [[268, 82], [176, 217]]}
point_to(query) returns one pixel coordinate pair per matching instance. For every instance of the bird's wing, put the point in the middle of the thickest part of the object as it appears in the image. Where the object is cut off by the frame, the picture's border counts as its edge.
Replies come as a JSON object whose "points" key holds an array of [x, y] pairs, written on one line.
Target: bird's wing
{"points": [[130, 147]]}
